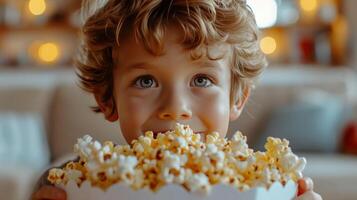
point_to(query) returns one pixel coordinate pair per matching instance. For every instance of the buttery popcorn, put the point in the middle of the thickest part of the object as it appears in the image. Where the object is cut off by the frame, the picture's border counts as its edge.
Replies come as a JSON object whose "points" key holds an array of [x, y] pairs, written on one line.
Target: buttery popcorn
{"points": [[181, 157]]}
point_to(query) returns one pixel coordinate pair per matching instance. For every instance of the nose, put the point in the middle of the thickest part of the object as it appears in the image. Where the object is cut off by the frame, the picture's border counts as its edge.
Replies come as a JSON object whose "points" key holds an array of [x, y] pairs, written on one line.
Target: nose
{"points": [[175, 107]]}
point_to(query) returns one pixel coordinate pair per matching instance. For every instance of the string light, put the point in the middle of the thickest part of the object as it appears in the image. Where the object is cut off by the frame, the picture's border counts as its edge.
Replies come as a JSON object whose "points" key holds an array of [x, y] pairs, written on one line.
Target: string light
{"points": [[308, 5], [48, 52], [37, 7], [268, 45]]}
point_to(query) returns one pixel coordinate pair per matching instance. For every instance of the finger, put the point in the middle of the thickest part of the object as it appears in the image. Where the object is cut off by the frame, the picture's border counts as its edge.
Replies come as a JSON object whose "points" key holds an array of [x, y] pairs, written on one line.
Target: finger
{"points": [[50, 192], [304, 185], [309, 184], [309, 195]]}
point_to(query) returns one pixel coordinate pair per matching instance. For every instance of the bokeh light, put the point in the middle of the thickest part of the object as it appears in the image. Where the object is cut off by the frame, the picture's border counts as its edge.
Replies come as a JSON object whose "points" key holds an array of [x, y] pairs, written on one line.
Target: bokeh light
{"points": [[308, 5], [48, 52], [265, 12], [268, 45], [37, 7]]}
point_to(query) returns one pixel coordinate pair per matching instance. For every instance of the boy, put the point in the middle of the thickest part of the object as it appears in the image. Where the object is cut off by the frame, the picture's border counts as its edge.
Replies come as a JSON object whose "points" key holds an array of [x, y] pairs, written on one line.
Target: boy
{"points": [[153, 63]]}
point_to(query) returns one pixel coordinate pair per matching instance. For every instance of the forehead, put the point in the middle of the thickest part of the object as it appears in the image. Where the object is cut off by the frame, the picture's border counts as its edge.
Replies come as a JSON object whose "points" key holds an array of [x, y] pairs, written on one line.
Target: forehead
{"points": [[131, 50]]}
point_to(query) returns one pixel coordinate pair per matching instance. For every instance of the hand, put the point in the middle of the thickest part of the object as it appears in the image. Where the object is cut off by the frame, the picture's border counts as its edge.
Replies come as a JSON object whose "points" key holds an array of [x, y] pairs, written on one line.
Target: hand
{"points": [[48, 192], [305, 190]]}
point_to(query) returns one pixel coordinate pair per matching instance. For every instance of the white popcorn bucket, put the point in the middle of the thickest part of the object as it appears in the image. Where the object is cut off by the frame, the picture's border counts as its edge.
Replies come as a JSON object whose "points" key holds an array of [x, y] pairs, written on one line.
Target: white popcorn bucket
{"points": [[176, 192]]}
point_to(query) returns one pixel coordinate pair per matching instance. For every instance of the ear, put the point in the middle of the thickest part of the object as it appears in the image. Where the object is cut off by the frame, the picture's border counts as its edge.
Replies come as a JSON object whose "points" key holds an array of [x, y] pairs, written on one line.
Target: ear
{"points": [[108, 108], [237, 108]]}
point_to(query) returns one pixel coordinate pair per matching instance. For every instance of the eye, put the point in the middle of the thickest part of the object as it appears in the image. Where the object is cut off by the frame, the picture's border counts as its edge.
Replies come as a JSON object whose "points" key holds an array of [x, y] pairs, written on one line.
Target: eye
{"points": [[201, 81], [146, 81]]}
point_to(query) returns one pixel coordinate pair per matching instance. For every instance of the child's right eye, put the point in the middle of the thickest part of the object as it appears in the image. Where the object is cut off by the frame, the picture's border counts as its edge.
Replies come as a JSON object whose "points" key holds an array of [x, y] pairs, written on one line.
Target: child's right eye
{"points": [[146, 81]]}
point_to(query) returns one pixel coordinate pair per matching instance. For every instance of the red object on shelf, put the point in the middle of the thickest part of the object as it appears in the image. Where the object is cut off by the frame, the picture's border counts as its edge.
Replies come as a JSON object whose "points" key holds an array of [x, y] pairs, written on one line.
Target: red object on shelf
{"points": [[349, 142], [307, 49]]}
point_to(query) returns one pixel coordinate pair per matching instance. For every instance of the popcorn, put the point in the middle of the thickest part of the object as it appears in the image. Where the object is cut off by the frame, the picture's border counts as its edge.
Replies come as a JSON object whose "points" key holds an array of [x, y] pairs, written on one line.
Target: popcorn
{"points": [[181, 157], [126, 165], [198, 182], [57, 176], [75, 175]]}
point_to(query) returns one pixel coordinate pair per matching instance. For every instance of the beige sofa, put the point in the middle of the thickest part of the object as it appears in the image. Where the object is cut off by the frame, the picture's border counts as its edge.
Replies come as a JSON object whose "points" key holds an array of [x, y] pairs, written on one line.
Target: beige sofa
{"points": [[67, 116]]}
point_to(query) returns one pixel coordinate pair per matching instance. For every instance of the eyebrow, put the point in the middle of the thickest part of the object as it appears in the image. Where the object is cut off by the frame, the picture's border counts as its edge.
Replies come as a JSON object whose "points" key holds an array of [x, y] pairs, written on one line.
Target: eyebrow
{"points": [[139, 65], [144, 65]]}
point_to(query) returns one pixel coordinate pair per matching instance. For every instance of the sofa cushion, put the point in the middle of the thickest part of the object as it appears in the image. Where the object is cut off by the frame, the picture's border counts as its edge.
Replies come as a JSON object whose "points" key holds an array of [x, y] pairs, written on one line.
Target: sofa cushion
{"points": [[23, 140], [72, 118], [314, 126], [272, 93], [24, 112], [26, 99]]}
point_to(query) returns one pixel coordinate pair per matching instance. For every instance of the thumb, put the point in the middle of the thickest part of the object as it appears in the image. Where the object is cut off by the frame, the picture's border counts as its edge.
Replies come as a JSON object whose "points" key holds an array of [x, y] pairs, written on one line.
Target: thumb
{"points": [[304, 185]]}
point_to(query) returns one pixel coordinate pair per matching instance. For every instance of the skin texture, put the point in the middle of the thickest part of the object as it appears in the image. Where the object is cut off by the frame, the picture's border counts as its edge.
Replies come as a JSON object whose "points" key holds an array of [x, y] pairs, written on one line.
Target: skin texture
{"points": [[305, 190], [48, 192], [155, 92]]}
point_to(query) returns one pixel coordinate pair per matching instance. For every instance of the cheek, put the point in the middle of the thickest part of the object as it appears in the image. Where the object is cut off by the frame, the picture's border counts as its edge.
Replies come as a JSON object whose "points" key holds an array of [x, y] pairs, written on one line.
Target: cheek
{"points": [[213, 110], [132, 112]]}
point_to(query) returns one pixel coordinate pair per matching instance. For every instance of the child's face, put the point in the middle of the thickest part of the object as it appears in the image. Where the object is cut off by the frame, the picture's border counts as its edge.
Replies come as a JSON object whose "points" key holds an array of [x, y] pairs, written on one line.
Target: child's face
{"points": [[155, 92]]}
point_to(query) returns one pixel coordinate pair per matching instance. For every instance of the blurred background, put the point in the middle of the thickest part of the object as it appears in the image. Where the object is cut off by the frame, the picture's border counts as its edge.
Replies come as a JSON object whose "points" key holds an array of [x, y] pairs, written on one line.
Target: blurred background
{"points": [[307, 95], [43, 33]]}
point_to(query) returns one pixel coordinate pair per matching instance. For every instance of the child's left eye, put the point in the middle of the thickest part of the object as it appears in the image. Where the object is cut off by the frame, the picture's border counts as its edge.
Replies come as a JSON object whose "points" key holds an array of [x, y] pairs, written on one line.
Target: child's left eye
{"points": [[201, 81]]}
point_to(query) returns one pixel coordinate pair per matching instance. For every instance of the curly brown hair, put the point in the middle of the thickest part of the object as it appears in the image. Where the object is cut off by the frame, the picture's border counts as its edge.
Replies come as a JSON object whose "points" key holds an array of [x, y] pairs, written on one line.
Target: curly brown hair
{"points": [[203, 22]]}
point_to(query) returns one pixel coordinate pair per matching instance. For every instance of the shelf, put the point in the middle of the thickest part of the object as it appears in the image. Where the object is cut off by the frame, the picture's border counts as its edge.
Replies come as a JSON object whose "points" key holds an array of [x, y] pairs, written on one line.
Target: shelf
{"points": [[36, 28], [312, 27]]}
